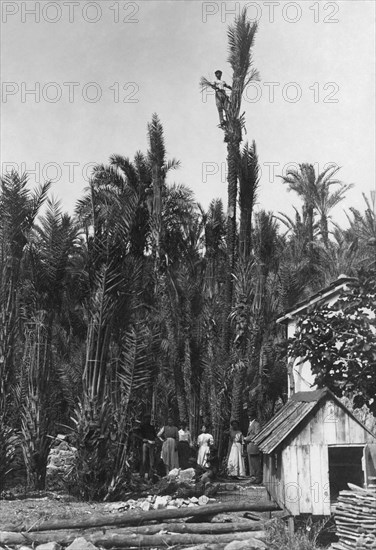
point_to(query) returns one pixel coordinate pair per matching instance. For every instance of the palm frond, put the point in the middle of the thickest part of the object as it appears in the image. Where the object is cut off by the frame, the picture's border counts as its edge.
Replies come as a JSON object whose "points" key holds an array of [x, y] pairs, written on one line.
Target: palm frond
{"points": [[205, 84]]}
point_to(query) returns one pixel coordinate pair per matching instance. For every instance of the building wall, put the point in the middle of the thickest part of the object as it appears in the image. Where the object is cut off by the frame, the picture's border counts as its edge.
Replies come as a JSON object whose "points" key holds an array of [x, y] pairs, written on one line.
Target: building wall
{"points": [[303, 376]]}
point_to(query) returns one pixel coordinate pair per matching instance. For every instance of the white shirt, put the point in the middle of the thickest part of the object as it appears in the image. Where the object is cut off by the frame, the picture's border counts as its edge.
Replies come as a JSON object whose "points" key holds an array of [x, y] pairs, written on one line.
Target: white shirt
{"points": [[185, 435], [220, 84]]}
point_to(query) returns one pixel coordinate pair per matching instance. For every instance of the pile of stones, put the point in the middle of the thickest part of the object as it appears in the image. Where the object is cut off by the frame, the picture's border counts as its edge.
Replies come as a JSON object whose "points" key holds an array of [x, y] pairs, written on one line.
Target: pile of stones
{"points": [[61, 460], [152, 502]]}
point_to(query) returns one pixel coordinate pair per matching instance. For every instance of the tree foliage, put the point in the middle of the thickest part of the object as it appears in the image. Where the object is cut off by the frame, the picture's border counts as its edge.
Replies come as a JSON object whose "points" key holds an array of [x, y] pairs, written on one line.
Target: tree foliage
{"points": [[339, 342]]}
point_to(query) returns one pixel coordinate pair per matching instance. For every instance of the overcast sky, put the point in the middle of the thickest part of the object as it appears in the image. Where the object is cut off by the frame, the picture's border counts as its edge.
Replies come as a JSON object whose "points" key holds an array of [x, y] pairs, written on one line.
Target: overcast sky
{"points": [[100, 69]]}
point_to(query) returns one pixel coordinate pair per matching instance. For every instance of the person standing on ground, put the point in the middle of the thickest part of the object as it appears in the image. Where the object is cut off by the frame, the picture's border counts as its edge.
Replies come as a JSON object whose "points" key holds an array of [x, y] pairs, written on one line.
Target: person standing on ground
{"points": [[235, 461], [169, 434], [204, 441], [148, 434], [253, 452], [184, 447]]}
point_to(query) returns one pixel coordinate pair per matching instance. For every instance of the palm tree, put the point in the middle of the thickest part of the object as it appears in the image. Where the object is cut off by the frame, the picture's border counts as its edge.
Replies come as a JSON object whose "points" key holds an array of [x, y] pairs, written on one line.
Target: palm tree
{"points": [[302, 181], [159, 168], [363, 226], [245, 271], [315, 193], [241, 37], [51, 245], [19, 208], [249, 176], [325, 201]]}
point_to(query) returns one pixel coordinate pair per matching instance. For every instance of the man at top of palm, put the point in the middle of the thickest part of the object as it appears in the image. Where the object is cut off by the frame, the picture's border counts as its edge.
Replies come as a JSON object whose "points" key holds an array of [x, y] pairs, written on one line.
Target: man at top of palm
{"points": [[221, 98]]}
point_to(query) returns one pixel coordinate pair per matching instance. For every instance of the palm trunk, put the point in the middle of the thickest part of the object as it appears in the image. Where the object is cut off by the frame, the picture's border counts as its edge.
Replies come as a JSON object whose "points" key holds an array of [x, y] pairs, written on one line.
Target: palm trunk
{"points": [[310, 231], [157, 209], [232, 179], [324, 230], [237, 390], [245, 232]]}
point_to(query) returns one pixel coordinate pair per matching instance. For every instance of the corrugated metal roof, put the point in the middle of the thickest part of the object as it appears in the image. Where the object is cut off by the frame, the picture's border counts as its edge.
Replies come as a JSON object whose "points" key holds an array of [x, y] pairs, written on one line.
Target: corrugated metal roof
{"points": [[291, 415]]}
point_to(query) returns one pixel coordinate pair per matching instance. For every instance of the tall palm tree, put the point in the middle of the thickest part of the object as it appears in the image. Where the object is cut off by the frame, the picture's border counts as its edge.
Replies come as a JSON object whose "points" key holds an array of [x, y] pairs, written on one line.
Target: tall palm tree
{"points": [[159, 169], [245, 271], [241, 37], [249, 176], [18, 210]]}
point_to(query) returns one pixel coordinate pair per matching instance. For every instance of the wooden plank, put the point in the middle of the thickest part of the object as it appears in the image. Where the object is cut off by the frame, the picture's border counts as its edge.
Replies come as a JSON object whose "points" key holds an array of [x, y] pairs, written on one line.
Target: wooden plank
{"points": [[329, 422], [291, 489], [325, 488], [271, 481], [304, 479], [369, 463], [316, 428], [356, 434], [278, 479], [304, 436], [341, 425], [316, 486]]}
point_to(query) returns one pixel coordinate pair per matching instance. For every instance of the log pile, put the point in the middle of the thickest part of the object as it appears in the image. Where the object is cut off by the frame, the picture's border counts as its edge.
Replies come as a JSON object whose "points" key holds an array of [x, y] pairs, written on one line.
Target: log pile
{"points": [[135, 528], [355, 518]]}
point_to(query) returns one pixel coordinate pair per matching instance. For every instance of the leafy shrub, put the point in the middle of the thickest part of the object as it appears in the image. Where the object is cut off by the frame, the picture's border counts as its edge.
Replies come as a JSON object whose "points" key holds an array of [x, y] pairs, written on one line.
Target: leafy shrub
{"points": [[9, 441]]}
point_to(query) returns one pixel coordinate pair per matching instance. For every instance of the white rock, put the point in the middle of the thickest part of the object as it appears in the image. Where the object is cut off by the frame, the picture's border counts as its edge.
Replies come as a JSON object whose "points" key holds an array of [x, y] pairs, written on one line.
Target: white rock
{"points": [[161, 502], [49, 546], [194, 500], [81, 544], [173, 473], [203, 500], [187, 475]]}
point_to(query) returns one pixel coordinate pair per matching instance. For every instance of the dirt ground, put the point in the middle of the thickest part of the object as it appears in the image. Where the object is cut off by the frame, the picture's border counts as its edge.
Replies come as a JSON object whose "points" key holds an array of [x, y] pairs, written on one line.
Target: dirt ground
{"points": [[50, 505], [30, 510]]}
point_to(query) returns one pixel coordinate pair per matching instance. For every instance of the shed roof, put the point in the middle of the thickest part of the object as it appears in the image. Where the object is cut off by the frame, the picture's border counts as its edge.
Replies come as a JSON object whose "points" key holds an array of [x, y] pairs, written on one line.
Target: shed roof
{"points": [[292, 414]]}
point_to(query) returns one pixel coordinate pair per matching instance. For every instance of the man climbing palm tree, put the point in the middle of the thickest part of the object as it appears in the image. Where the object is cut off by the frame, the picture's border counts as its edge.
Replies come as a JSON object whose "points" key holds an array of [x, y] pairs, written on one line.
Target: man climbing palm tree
{"points": [[221, 99]]}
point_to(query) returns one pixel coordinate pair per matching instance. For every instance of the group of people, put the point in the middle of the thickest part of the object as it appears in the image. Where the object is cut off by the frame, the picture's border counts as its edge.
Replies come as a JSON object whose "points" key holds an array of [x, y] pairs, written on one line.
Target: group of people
{"points": [[177, 445], [178, 448]]}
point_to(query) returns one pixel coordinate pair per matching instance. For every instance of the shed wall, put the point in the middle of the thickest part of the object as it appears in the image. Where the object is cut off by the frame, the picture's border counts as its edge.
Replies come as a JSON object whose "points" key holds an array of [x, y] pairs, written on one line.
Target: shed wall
{"points": [[300, 483], [331, 425]]}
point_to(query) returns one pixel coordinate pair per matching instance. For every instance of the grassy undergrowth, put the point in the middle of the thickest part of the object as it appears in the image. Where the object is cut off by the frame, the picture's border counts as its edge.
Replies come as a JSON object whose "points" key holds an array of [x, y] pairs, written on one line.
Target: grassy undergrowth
{"points": [[304, 538]]}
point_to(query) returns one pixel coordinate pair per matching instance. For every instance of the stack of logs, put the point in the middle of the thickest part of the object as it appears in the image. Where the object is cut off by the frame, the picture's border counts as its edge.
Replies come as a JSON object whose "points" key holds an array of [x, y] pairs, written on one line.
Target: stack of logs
{"points": [[355, 518], [154, 528]]}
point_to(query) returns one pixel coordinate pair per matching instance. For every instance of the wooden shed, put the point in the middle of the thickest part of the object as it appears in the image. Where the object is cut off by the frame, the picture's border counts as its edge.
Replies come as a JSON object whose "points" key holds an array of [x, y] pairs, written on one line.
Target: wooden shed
{"points": [[311, 449]]}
